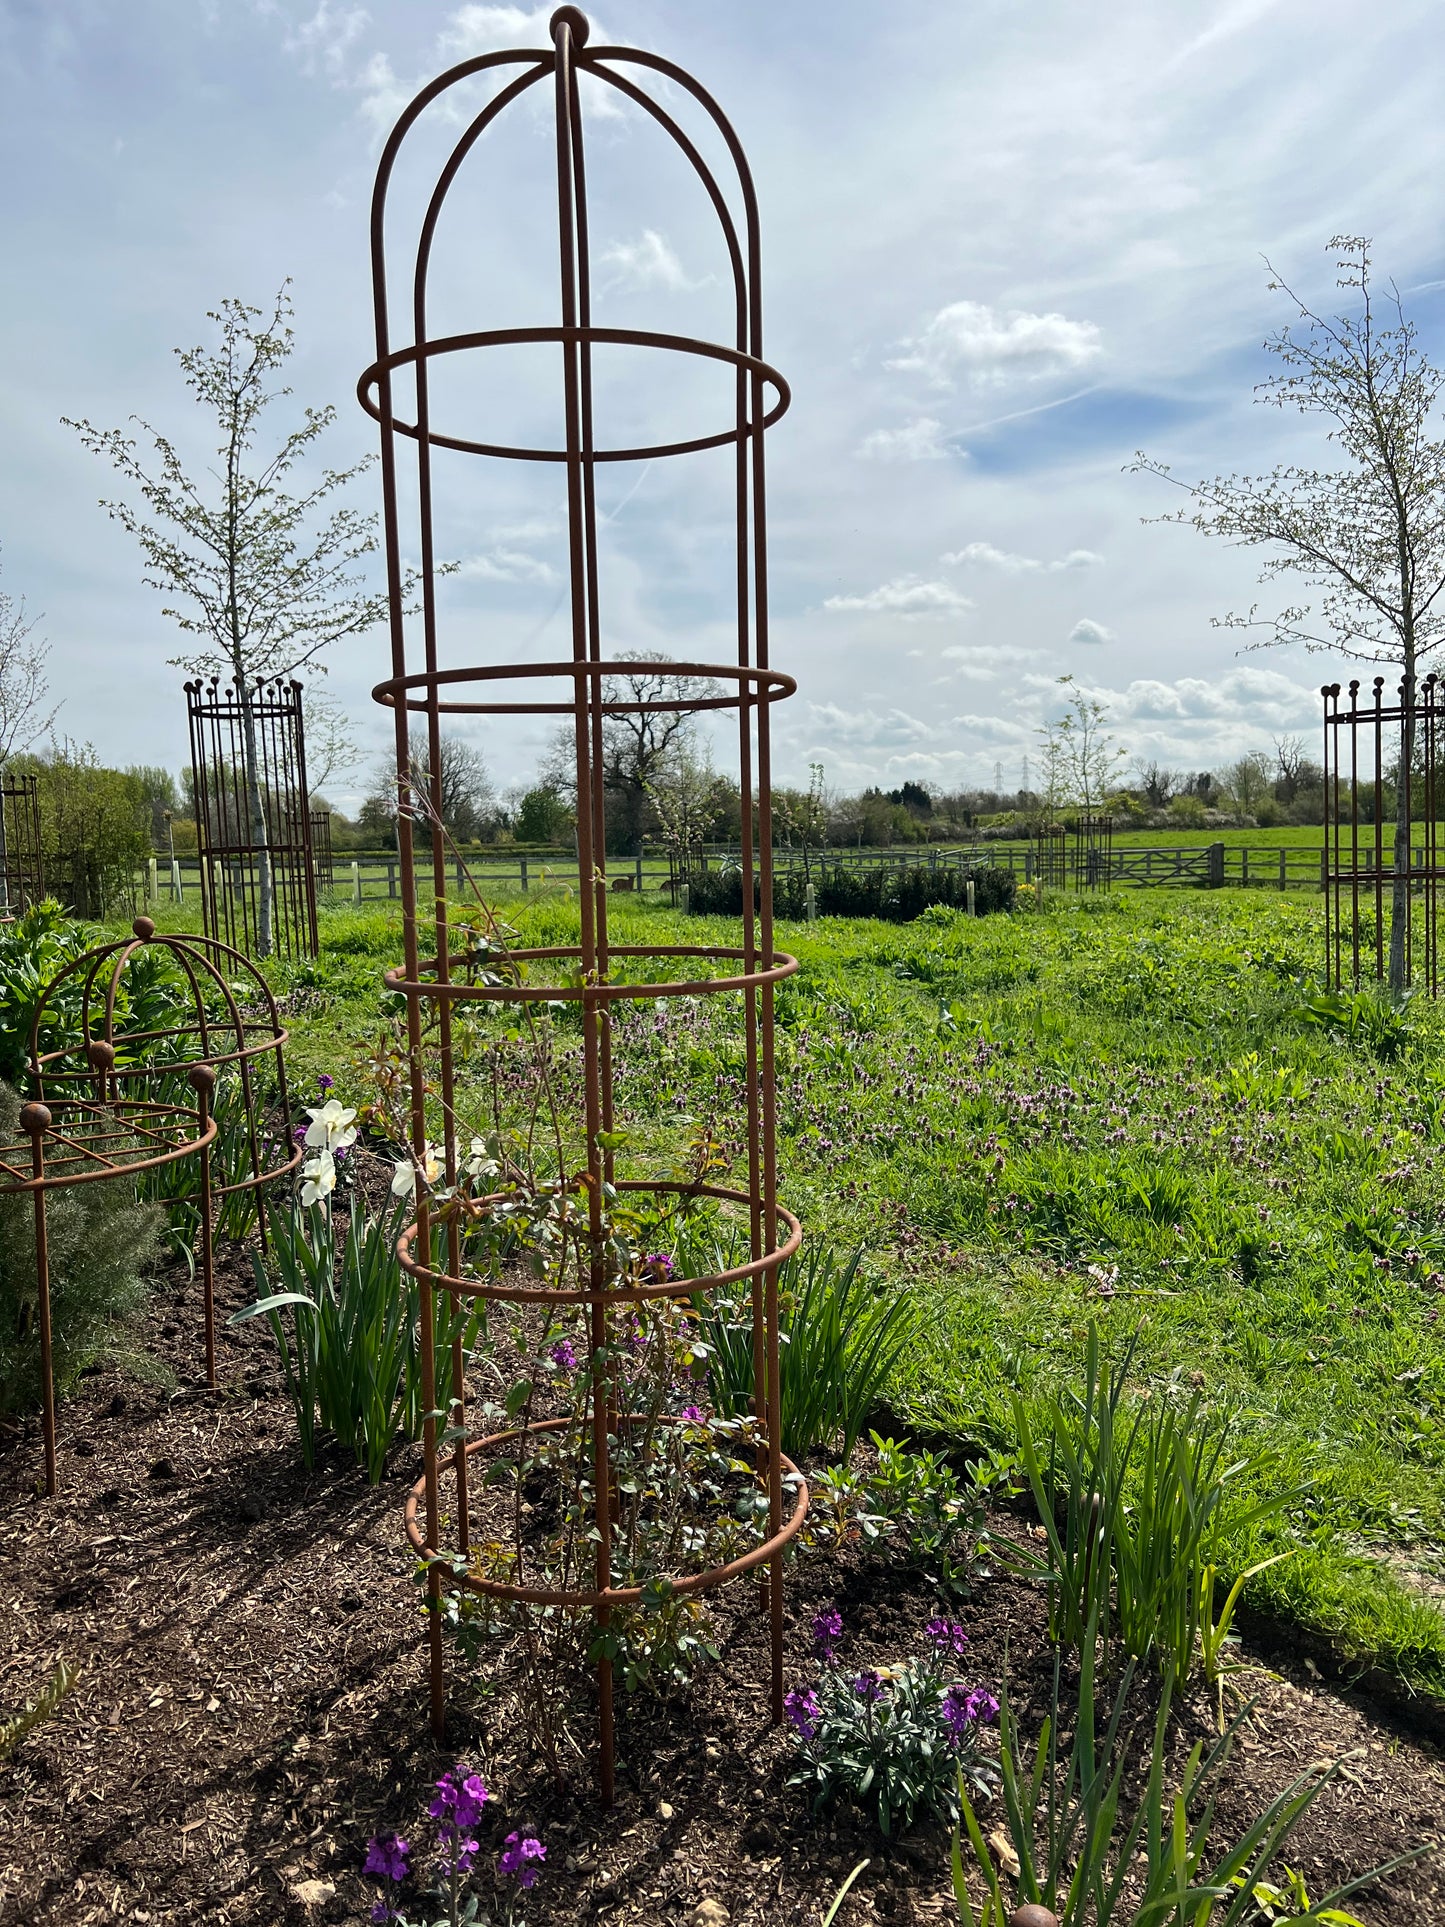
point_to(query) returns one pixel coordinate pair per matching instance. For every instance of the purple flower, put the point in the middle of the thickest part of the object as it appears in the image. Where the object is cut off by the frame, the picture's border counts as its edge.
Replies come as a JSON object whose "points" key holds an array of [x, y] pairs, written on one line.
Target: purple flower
{"points": [[518, 1856], [869, 1686], [693, 1413], [955, 1714], [947, 1636], [802, 1709], [661, 1264], [298, 1136], [981, 1705], [564, 1355], [827, 1631], [325, 1083], [458, 1807], [386, 1856]]}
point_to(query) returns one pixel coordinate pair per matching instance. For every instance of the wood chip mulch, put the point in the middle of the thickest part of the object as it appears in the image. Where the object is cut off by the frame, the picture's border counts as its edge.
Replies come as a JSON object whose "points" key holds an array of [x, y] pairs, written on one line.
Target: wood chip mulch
{"points": [[252, 1700]]}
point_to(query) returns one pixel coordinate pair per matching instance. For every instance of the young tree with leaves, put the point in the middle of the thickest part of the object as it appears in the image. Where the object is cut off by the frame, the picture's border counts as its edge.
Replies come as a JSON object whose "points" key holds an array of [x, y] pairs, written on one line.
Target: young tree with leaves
{"points": [[264, 579], [23, 687], [1080, 758], [1367, 535]]}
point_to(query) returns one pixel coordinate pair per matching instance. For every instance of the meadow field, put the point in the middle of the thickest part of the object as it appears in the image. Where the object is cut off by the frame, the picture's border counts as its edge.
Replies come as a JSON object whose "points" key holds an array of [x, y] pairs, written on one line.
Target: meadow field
{"points": [[1119, 1110]]}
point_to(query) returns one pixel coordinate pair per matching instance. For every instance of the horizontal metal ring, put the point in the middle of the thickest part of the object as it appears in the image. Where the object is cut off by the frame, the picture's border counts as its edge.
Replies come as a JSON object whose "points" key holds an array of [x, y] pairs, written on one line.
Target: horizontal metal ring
{"points": [[396, 980], [769, 686], [572, 337]]}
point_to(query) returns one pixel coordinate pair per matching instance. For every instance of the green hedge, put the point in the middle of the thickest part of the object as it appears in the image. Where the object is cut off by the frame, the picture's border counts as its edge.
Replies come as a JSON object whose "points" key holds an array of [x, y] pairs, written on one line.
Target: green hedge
{"points": [[895, 895]]}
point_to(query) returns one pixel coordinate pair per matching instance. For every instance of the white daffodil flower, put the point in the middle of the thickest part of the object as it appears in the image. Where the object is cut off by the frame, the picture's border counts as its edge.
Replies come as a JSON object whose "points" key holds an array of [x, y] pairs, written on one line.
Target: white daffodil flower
{"points": [[403, 1179], [320, 1178], [480, 1163], [331, 1127]]}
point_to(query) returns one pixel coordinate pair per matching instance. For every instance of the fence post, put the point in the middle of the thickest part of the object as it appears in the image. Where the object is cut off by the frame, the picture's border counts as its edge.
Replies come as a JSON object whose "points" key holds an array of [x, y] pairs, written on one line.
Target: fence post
{"points": [[1325, 868], [684, 898], [152, 888], [810, 903], [523, 862], [1216, 865], [1028, 866], [638, 873], [1281, 870], [971, 890], [356, 883], [177, 887], [391, 879], [460, 878]]}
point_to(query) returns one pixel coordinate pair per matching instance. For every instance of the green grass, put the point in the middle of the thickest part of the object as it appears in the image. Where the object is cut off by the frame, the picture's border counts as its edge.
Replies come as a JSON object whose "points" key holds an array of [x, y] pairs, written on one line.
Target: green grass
{"points": [[1007, 1110]]}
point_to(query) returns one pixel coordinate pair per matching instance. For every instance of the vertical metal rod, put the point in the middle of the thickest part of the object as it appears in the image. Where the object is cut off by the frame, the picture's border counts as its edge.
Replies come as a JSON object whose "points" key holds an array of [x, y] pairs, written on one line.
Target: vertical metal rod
{"points": [[35, 1121]]}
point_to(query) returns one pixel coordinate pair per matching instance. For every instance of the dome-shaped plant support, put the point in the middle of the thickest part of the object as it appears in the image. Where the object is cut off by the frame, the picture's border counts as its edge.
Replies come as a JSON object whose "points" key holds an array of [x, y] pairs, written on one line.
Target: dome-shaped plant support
{"points": [[123, 1047], [587, 689]]}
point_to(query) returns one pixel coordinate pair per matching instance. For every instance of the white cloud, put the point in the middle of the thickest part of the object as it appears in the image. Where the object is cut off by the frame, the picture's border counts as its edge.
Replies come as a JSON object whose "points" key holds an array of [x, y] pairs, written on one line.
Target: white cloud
{"points": [[985, 555], [982, 661], [987, 348], [507, 565], [917, 441], [1262, 697], [646, 263], [1087, 630], [323, 42], [907, 595]]}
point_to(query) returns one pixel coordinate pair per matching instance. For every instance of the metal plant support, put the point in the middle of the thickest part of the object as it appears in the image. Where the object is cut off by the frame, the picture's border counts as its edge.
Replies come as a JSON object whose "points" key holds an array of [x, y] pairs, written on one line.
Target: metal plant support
{"points": [[431, 684], [237, 854], [22, 873], [110, 1101], [1093, 852], [1369, 745], [322, 863]]}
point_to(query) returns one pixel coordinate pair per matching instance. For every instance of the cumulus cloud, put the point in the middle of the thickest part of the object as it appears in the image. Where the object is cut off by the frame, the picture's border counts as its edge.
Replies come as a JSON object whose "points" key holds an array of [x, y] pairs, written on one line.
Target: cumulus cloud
{"points": [[982, 661], [917, 441], [467, 31], [986, 348], [1260, 696], [907, 595], [985, 555], [321, 44], [647, 262], [1087, 630]]}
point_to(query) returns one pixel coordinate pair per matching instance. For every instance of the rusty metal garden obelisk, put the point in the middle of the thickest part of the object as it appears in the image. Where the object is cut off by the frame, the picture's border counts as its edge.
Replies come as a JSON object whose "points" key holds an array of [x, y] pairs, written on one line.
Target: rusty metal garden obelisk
{"points": [[436, 675]]}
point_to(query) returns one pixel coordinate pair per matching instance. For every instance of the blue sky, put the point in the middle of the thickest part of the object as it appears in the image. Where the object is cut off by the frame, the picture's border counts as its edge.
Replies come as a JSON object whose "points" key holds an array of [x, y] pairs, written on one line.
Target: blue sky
{"points": [[1003, 248]]}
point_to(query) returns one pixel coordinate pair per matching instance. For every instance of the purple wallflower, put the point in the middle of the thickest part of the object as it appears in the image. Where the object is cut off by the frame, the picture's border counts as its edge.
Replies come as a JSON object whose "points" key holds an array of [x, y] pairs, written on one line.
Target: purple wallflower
{"points": [[693, 1413], [827, 1631], [298, 1136], [519, 1856], [869, 1686], [325, 1083], [955, 1714], [661, 1264], [947, 1636], [386, 1856], [981, 1705], [801, 1708], [564, 1355], [457, 1808]]}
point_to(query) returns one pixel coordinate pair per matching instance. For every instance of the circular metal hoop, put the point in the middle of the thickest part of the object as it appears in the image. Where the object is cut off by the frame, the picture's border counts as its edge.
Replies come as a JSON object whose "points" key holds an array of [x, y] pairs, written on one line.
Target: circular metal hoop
{"points": [[759, 1555], [571, 337], [397, 980], [618, 1296], [771, 685]]}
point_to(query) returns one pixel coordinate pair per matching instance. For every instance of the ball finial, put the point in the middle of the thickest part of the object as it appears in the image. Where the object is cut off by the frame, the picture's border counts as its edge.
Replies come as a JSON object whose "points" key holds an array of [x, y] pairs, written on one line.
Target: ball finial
{"points": [[575, 19], [144, 929], [1031, 1914], [34, 1118], [202, 1078], [100, 1055]]}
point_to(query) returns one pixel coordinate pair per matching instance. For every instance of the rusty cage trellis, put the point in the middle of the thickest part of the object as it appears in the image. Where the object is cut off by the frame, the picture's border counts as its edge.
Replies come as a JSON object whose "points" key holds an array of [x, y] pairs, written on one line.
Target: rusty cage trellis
{"points": [[232, 730], [22, 872], [1369, 862], [583, 688]]}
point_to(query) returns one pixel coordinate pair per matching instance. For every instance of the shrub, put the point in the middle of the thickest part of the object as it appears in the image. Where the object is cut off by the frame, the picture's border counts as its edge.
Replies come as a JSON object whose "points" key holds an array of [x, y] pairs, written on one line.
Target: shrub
{"points": [[895, 895], [839, 1339], [100, 1240], [33, 951], [95, 828]]}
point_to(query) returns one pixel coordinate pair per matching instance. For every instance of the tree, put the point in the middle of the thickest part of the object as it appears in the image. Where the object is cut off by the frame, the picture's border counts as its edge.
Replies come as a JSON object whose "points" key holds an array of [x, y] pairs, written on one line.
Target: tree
{"points": [[332, 750], [1080, 758], [265, 580], [542, 816], [23, 687], [466, 796], [637, 744], [95, 826], [1248, 782], [1367, 536], [1157, 783]]}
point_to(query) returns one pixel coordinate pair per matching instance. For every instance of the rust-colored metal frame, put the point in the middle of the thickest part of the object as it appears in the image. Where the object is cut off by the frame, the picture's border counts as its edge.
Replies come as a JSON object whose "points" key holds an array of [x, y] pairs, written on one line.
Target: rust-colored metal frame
{"points": [[1359, 855], [231, 856], [22, 867], [111, 1136], [444, 979], [114, 1064]]}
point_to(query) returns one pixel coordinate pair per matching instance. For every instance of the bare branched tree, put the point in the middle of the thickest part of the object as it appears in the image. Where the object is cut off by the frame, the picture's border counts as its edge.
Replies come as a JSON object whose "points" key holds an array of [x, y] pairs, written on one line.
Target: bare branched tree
{"points": [[265, 580], [23, 685], [1367, 536], [332, 750]]}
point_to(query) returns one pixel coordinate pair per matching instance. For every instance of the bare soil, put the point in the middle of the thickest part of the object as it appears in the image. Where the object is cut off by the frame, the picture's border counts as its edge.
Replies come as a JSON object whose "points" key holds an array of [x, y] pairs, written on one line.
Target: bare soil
{"points": [[252, 1701]]}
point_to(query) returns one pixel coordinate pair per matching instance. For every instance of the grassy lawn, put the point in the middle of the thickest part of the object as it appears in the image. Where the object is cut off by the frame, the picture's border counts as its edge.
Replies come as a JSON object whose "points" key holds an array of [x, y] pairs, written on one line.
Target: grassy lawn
{"points": [[1108, 1111]]}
